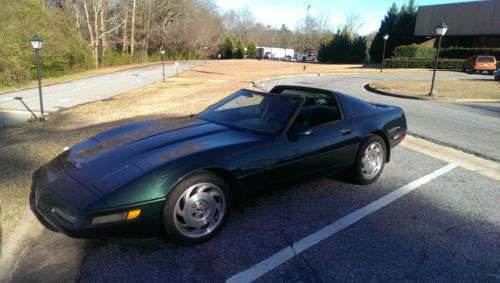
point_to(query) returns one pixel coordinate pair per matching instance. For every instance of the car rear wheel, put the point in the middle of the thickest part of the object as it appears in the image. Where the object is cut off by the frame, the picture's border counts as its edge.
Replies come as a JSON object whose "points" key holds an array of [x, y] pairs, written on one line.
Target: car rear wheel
{"points": [[197, 208], [370, 160]]}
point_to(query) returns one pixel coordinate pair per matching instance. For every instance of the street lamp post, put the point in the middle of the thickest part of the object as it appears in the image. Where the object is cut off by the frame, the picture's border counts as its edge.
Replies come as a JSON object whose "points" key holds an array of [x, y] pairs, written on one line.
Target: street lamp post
{"points": [[162, 54], [440, 32], [272, 42], [385, 37], [36, 43], [205, 48]]}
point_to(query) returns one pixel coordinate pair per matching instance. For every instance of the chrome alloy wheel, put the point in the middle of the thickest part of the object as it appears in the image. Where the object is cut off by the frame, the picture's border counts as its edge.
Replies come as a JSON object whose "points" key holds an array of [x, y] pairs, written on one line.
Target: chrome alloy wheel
{"points": [[372, 160], [199, 210]]}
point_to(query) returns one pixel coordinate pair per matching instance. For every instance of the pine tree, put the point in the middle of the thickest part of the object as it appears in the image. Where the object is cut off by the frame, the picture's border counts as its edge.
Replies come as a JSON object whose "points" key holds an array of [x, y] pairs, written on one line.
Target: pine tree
{"points": [[387, 26], [405, 27], [251, 50], [240, 49], [227, 48], [343, 48]]}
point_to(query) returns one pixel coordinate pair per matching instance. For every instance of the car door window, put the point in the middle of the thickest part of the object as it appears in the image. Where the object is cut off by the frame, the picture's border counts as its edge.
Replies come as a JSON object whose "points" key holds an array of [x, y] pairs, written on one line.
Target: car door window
{"points": [[318, 111]]}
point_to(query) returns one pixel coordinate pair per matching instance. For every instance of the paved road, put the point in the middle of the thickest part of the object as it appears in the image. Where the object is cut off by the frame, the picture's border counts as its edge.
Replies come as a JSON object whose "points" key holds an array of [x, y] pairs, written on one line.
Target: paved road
{"points": [[471, 127], [444, 230], [61, 96]]}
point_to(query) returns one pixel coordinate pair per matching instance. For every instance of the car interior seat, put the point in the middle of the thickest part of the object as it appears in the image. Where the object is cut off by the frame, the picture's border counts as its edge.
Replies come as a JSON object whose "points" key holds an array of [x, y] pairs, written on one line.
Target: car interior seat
{"points": [[321, 115]]}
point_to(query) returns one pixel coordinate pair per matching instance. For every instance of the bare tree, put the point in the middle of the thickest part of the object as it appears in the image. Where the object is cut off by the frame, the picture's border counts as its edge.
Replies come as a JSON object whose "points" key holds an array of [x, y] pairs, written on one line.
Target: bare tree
{"points": [[132, 35], [240, 23], [96, 24], [353, 22], [124, 31]]}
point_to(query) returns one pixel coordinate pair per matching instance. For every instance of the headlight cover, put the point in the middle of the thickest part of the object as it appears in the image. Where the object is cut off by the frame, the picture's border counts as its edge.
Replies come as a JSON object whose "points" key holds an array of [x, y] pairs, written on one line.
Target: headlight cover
{"points": [[118, 178]]}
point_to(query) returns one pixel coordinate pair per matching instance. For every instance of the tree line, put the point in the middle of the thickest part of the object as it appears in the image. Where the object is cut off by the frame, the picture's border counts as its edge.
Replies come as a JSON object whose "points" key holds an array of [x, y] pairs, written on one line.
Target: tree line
{"points": [[81, 34]]}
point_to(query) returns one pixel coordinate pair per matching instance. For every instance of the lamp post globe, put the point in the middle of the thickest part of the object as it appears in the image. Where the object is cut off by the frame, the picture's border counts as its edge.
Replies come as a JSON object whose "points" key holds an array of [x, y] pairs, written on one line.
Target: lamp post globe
{"points": [[36, 44], [440, 32], [441, 29]]}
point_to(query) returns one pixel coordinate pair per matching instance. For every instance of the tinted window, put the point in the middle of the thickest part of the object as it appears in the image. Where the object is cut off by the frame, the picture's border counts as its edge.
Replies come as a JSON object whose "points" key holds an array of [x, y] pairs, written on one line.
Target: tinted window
{"points": [[259, 112], [305, 93], [318, 111], [486, 59]]}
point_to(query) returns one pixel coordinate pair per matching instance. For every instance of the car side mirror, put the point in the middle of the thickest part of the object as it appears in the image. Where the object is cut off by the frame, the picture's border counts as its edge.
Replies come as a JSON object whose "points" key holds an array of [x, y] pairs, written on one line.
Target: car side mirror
{"points": [[300, 130]]}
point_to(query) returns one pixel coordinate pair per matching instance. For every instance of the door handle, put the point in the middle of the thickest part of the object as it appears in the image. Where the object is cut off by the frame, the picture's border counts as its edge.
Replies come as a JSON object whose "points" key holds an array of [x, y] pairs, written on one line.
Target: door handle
{"points": [[345, 132]]}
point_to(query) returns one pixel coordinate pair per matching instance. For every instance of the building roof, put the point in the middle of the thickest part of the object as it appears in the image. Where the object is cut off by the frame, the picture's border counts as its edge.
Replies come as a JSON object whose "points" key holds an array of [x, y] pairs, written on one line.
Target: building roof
{"points": [[469, 18]]}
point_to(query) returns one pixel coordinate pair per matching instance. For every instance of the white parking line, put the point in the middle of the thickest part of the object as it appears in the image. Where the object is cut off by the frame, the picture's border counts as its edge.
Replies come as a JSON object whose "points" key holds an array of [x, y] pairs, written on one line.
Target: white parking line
{"points": [[289, 252]]}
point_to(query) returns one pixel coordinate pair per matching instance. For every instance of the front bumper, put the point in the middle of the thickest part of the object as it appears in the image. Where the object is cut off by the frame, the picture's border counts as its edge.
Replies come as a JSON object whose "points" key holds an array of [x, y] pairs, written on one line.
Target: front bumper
{"points": [[45, 207]]}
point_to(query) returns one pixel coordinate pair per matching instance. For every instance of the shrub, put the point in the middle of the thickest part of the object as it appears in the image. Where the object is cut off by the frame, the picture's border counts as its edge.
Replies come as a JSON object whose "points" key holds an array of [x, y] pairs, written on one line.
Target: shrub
{"points": [[423, 63], [62, 50], [227, 48], [343, 48], [414, 51], [251, 50], [240, 49], [464, 53]]}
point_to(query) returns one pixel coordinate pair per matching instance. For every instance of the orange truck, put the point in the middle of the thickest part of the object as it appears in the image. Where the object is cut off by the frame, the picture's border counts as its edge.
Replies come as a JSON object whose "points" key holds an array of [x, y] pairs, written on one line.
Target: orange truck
{"points": [[480, 63]]}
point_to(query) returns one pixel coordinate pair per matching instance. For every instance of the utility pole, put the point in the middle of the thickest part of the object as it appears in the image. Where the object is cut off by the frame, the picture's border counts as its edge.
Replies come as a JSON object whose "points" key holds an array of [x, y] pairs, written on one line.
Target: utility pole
{"points": [[307, 30]]}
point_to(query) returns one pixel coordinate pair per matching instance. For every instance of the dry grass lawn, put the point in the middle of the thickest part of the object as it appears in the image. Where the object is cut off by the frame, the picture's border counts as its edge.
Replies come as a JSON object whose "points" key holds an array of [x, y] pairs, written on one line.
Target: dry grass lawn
{"points": [[446, 88], [24, 149]]}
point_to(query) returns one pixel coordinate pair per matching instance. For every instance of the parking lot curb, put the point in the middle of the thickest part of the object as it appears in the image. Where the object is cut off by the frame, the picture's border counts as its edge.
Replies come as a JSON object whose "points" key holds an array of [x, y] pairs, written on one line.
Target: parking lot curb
{"points": [[369, 88], [26, 234]]}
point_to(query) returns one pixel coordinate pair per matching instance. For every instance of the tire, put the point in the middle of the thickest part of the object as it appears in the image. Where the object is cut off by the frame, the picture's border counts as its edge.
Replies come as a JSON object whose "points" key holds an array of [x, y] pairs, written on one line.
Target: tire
{"points": [[372, 151], [197, 208]]}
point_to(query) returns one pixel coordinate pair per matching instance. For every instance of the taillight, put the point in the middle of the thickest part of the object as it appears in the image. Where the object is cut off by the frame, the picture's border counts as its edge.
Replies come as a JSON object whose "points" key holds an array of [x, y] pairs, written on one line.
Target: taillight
{"points": [[399, 135]]}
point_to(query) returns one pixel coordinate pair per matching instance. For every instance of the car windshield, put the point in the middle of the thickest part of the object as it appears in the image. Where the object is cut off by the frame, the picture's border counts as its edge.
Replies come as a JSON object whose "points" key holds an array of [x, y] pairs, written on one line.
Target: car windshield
{"points": [[253, 111], [486, 59]]}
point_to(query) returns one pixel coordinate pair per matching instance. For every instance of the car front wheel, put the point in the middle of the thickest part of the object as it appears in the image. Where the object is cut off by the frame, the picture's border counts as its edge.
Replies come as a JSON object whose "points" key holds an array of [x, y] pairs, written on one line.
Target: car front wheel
{"points": [[197, 208], [370, 160]]}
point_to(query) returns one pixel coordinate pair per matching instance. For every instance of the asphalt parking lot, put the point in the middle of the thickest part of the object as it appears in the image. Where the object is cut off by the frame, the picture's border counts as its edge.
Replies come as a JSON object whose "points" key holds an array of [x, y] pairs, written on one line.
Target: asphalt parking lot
{"points": [[445, 230]]}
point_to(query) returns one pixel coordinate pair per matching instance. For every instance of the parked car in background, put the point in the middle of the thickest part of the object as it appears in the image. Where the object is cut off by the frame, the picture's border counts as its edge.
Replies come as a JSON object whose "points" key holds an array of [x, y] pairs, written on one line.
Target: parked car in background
{"points": [[289, 58], [480, 63], [497, 75], [310, 58]]}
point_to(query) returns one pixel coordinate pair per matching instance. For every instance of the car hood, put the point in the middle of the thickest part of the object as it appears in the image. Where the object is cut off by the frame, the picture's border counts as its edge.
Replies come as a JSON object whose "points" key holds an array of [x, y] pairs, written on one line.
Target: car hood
{"points": [[111, 159]]}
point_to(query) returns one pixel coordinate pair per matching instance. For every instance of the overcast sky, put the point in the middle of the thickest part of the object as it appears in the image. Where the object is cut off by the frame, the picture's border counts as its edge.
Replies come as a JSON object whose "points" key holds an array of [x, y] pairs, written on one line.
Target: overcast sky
{"points": [[291, 12]]}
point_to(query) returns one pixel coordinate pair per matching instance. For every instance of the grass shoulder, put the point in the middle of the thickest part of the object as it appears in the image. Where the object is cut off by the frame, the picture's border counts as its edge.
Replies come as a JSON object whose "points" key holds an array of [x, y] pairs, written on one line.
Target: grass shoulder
{"points": [[445, 88]]}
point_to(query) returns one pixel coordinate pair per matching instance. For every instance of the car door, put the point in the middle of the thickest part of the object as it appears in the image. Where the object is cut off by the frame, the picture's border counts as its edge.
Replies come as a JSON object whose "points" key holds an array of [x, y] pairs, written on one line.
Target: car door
{"points": [[330, 146]]}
